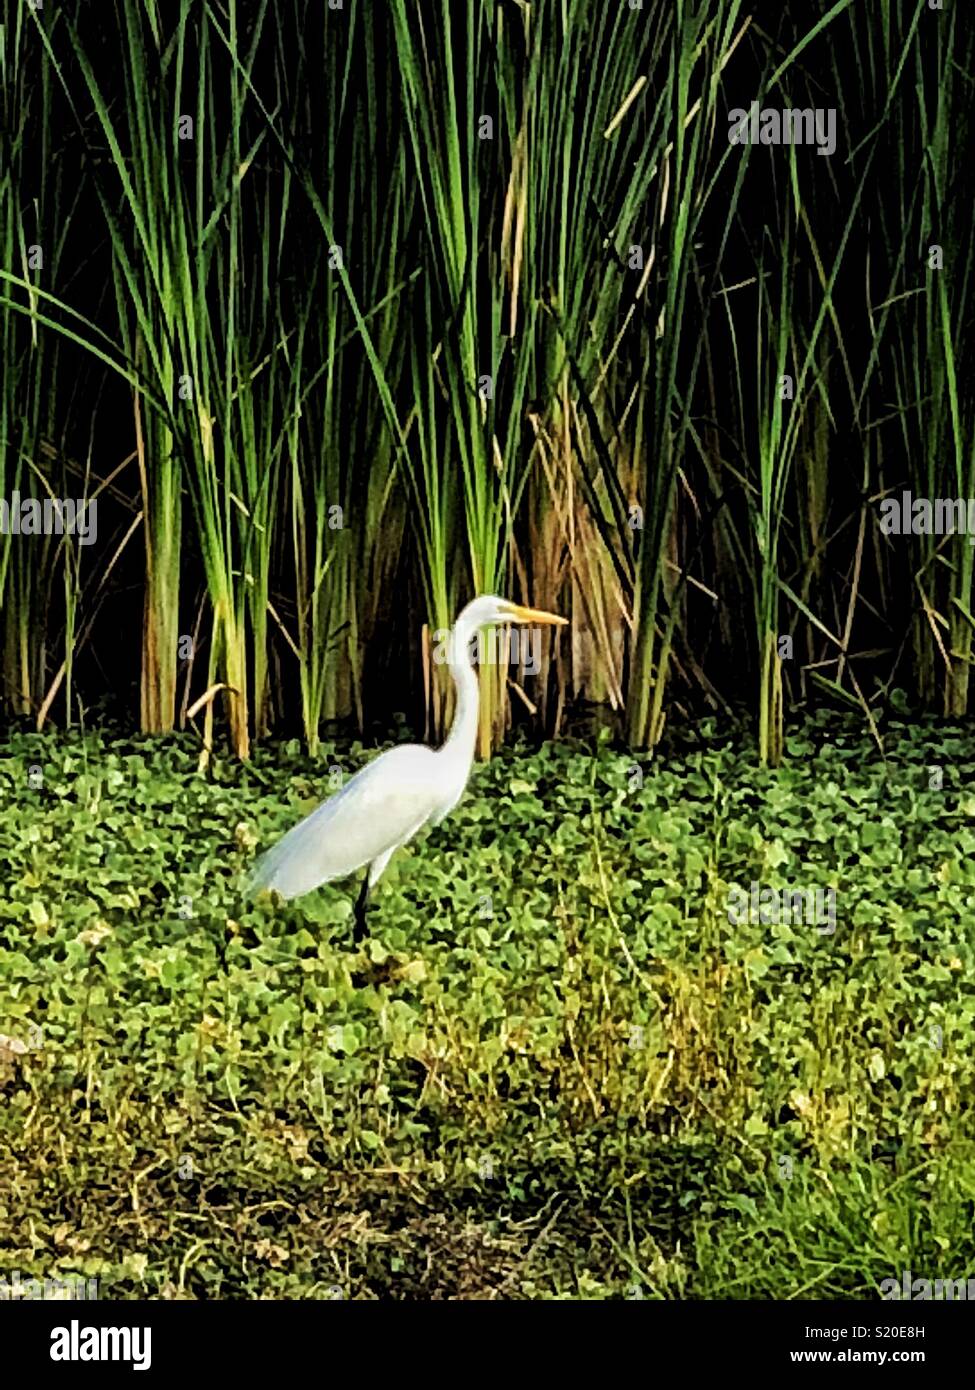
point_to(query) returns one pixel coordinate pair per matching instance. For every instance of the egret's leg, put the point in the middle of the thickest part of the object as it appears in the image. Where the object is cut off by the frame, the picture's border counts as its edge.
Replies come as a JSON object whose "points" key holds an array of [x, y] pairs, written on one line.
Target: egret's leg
{"points": [[360, 929], [372, 874]]}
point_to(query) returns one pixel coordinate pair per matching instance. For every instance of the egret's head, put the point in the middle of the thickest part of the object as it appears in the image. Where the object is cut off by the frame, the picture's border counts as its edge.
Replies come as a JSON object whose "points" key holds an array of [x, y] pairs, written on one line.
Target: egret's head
{"points": [[490, 609]]}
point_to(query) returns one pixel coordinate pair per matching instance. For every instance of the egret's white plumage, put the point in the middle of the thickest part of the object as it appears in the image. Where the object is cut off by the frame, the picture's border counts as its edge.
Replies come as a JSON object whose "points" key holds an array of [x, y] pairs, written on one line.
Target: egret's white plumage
{"points": [[378, 810], [399, 793]]}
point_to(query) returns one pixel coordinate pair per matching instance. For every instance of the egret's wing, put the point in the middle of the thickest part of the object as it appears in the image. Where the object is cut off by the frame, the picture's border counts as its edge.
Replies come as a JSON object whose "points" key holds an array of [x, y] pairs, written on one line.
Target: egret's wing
{"points": [[376, 811]]}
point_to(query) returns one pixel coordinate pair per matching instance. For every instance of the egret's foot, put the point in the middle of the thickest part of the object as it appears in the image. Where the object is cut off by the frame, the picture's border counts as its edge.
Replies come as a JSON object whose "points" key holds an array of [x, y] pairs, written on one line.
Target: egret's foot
{"points": [[375, 973]]}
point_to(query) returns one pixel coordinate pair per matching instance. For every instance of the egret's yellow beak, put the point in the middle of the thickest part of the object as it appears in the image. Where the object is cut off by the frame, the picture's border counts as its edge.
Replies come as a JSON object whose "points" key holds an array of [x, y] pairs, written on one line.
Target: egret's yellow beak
{"points": [[517, 614]]}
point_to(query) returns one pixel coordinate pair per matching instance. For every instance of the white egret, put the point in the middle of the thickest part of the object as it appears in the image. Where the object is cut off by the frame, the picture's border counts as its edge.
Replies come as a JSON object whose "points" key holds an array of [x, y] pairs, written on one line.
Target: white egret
{"points": [[397, 794]]}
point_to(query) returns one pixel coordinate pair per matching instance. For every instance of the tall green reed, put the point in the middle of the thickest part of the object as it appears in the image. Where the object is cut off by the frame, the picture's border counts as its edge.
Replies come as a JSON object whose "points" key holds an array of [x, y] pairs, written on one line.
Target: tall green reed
{"points": [[40, 575], [504, 312]]}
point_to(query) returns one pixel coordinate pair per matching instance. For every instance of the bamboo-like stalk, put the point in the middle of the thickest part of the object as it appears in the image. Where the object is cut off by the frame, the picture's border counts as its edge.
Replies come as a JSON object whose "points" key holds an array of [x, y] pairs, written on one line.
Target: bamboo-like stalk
{"points": [[35, 219], [147, 281], [681, 165]]}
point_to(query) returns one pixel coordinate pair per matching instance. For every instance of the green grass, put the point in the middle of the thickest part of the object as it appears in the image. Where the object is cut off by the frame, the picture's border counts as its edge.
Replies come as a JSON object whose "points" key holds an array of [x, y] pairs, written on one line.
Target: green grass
{"points": [[599, 1088]]}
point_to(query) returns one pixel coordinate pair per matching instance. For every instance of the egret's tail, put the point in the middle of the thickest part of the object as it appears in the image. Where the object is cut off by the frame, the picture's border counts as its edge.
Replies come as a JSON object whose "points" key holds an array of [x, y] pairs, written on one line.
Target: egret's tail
{"points": [[290, 867], [306, 857]]}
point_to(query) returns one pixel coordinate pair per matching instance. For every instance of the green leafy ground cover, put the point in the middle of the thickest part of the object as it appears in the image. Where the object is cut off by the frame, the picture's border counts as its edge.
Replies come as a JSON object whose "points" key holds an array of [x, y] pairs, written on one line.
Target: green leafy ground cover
{"points": [[557, 1069]]}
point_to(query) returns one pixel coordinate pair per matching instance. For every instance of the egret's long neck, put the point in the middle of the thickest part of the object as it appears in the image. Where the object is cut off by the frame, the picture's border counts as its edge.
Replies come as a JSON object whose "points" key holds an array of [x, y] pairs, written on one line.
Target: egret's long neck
{"points": [[463, 731]]}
